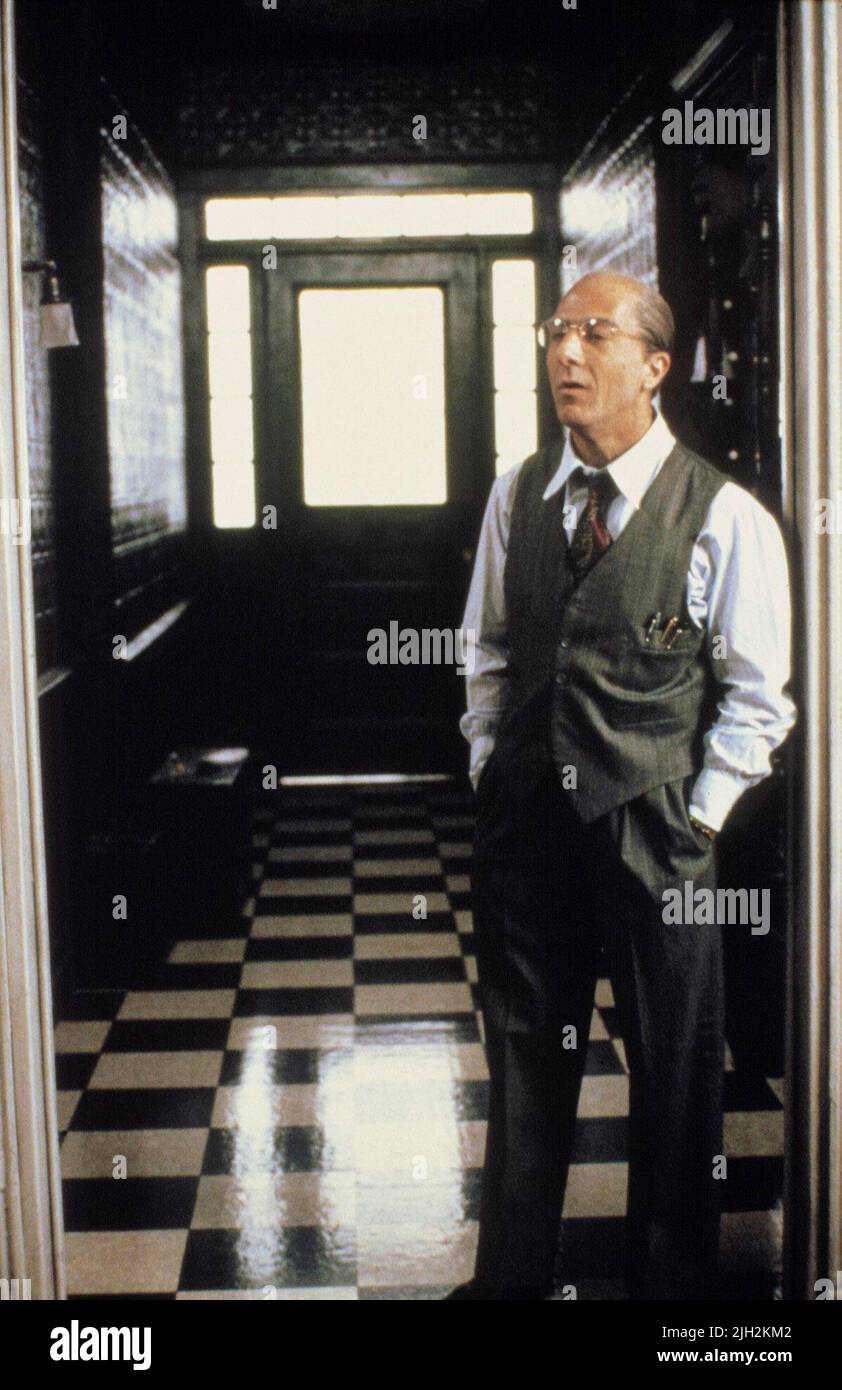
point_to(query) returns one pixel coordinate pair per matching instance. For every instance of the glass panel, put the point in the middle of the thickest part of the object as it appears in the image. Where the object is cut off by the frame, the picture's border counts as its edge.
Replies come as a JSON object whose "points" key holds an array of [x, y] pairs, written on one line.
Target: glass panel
{"points": [[303, 217], [513, 292], [233, 494], [434, 214], [230, 386], [515, 424], [500, 213], [309, 216], [373, 403], [514, 358], [231, 431], [369, 217], [238, 219], [229, 364], [515, 400], [228, 299]]}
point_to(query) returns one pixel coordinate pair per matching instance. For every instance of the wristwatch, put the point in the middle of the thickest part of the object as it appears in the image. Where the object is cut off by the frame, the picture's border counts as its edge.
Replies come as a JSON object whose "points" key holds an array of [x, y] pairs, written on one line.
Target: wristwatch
{"points": [[703, 829]]}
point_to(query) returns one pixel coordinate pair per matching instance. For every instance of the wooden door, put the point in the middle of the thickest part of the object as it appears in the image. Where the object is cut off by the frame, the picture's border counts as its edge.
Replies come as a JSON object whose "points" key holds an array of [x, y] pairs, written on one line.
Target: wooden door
{"points": [[374, 435]]}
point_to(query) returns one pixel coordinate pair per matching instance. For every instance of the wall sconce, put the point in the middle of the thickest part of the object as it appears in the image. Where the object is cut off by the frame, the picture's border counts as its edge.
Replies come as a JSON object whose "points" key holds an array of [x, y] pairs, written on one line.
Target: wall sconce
{"points": [[57, 326]]}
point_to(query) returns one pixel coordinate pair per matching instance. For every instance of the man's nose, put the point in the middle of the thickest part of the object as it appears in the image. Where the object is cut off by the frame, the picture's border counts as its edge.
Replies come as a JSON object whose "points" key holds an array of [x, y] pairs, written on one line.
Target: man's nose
{"points": [[569, 348]]}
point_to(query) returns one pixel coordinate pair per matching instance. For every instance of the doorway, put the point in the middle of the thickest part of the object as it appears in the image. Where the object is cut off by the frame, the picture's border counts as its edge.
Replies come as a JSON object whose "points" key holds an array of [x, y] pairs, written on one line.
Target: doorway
{"points": [[370, 417], [349, 467]]}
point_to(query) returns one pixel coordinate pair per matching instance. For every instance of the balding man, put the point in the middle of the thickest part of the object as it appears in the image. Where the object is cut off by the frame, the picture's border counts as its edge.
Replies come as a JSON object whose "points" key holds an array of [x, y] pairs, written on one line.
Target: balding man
{"points": [[632, 614]]}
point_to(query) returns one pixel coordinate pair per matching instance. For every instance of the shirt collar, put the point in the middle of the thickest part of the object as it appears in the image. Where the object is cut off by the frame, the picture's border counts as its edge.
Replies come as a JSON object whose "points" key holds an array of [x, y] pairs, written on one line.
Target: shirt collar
{"points": [[632, 471]]}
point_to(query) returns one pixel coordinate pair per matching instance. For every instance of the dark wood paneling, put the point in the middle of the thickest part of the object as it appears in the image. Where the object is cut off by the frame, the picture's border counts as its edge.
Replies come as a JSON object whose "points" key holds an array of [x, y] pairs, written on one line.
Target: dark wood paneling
{"points": [[104, 724]]}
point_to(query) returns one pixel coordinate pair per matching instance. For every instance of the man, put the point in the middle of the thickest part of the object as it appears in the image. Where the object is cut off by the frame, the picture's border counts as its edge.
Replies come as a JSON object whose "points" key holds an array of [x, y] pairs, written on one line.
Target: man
{"points": [[622, 586]]}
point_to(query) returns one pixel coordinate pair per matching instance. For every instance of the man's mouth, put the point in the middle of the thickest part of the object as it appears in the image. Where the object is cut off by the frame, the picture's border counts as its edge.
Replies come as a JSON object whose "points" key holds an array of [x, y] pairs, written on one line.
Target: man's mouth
{"points": [[565, 386]]}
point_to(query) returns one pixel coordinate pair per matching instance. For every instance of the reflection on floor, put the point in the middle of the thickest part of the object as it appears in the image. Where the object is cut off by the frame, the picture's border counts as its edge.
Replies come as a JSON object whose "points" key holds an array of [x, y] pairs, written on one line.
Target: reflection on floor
{"points": [[295, 1107]]}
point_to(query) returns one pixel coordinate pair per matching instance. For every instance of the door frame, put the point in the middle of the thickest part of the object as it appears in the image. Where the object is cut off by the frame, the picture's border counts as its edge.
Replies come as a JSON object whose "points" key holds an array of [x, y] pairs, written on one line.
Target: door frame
{"points": [[452, 271], [31, 1228], [305, 532], [808, 130], [196, 251], [258, 546]]}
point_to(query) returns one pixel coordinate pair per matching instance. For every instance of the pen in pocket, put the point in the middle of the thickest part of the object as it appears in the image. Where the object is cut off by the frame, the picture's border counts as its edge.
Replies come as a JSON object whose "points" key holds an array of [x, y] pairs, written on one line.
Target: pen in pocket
{"points": [[653, 623], [669, 633]]}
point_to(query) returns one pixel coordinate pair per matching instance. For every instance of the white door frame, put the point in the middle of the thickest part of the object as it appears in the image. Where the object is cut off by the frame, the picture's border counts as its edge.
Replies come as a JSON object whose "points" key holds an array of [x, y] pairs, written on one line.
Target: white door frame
{"points": [[31, 1234], [809, 139]]}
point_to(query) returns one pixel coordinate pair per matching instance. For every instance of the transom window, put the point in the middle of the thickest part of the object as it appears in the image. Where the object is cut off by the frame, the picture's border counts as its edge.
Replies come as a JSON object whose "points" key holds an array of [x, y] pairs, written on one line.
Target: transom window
{"points": [[305, 217]]}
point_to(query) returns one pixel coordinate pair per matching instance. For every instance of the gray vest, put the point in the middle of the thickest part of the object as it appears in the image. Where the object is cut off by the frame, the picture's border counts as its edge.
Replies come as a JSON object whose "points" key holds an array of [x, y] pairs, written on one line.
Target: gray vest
{"points": [[586, 690]]}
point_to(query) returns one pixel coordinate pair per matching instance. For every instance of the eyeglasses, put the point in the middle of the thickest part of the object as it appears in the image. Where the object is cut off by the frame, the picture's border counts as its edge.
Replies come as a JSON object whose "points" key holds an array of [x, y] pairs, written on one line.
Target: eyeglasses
{"points": [[593, 330]]}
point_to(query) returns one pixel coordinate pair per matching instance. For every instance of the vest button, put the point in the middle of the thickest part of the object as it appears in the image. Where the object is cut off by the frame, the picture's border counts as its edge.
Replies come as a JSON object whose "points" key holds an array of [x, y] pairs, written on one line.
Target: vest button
{"points": [[564, 643]]}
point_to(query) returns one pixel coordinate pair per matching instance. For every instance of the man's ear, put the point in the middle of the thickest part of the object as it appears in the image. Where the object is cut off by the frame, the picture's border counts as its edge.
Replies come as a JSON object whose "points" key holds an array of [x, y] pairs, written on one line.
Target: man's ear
{"points": [[657, 366]]}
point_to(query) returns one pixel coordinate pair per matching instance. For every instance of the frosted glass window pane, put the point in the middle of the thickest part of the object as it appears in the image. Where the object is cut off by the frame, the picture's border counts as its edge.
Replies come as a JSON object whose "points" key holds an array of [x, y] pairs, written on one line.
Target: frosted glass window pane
{"points": [[233, 495], [229, 364], [238, 219], [231, 430], [373, 402], [513, 292], [515, 423], [228, 298], [434, 214], [309, 216], [514, 359], [500, 214], [304, 217], [369, 217]]}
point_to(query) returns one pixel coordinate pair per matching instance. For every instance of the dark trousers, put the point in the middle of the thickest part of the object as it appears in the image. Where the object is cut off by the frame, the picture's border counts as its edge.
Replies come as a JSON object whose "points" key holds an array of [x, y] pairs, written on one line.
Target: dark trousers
{"points": [[557, 904]]}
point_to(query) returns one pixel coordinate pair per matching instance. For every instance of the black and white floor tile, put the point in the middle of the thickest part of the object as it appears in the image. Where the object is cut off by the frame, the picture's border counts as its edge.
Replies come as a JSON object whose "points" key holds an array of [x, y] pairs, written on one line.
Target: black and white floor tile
{"points": [[294, 1105]]}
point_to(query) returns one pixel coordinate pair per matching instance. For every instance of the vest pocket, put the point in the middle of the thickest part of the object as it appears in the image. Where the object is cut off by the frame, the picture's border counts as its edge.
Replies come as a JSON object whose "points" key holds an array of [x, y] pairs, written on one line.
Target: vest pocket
{"points": [[687, 643], [656, 685], [651, 709], [640, 719]]}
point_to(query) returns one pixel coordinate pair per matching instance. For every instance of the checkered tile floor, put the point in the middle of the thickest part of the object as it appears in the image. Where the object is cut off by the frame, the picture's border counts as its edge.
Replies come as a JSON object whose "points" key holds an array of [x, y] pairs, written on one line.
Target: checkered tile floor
{"points": [[295, 1103]]}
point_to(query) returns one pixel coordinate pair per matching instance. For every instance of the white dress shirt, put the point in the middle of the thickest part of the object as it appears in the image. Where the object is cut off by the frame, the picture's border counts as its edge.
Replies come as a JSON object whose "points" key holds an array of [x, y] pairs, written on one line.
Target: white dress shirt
{"points": [[737, 589]]}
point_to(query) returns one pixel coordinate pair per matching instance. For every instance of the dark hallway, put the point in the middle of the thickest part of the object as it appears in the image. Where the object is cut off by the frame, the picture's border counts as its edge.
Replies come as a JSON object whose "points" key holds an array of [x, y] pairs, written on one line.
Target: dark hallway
{"points": [[307, 248]]}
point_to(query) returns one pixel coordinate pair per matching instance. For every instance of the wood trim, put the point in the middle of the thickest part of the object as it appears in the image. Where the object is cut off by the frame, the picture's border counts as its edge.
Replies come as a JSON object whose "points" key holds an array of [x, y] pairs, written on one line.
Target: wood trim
{"points": [[52, 679], [213, 252], [388, 177], [31, 1240], [153, 632]]}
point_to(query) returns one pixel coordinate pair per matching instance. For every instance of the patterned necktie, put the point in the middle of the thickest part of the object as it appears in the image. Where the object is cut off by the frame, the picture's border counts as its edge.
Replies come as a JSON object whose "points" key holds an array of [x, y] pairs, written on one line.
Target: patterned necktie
{"points": [[592, 538]]}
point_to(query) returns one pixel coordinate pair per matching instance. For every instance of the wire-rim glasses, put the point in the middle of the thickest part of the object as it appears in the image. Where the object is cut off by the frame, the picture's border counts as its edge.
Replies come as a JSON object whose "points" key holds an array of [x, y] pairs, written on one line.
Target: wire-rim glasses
{"points": [[591, 330]]}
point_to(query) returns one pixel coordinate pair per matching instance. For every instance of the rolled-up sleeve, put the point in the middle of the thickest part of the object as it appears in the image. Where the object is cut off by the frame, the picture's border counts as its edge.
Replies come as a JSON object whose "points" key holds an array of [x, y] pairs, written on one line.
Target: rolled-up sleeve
{"points": [[739, 585], [484, 624]]}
